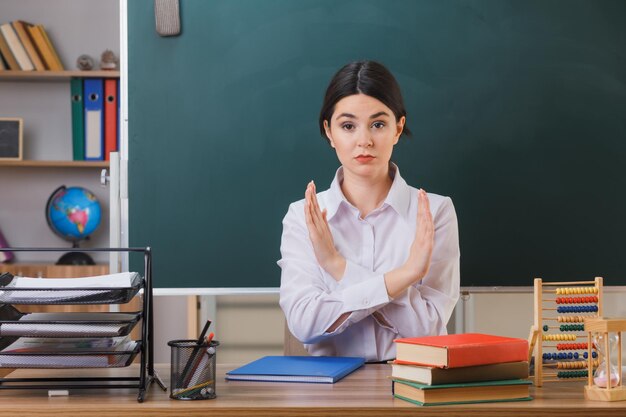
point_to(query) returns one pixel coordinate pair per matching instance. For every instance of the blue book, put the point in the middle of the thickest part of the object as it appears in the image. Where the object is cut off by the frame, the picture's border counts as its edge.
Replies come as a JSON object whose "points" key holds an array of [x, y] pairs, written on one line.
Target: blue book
{"points": [[317, 369]]}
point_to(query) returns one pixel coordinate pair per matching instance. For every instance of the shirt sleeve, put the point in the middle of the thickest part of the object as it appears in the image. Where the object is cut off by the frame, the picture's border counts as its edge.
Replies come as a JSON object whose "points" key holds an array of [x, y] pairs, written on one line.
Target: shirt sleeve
{"points": [[310, 298], [425, 308]]}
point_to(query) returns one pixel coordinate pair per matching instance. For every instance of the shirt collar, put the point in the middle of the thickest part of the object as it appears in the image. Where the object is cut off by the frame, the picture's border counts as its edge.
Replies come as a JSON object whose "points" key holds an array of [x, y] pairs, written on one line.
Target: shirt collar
{"points": [[399, 196]]}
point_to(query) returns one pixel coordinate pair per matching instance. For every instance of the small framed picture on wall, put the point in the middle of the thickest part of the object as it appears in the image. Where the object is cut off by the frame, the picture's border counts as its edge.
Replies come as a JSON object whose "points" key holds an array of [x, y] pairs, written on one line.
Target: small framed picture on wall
{"points": [[11, 129]]}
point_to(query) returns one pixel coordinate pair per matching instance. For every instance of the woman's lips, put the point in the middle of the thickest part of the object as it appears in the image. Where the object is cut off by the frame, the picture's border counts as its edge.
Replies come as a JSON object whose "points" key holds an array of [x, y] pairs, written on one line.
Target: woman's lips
{"points": [[364, 158]]}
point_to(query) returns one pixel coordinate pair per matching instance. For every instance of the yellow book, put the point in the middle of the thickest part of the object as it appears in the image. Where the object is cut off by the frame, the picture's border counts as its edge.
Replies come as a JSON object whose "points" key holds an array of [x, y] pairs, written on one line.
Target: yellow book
{"points": [[42, 48], [58, 63]]}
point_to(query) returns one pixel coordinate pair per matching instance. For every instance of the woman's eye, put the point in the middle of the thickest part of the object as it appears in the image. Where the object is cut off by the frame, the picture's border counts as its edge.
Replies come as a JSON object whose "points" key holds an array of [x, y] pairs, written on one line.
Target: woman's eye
{"points": [[347, 126], [378, 125]]}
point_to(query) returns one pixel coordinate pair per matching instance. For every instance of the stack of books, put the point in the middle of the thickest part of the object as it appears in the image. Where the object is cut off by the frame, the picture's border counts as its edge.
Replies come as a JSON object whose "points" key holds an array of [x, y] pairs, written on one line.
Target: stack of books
{"points": [[461, 368], [27, 47]]}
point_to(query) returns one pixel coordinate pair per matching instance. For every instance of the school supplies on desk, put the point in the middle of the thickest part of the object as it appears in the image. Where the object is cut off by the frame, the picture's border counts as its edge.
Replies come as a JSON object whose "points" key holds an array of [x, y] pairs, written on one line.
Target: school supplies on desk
{"points": [[316, 369], [459, 350], [193, 367], [477, 392]]}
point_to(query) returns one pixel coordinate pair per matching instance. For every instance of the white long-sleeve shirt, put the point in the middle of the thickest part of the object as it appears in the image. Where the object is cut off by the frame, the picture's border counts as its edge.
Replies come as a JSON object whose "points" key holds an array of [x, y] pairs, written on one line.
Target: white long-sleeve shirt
{"points": [[313, 300]]}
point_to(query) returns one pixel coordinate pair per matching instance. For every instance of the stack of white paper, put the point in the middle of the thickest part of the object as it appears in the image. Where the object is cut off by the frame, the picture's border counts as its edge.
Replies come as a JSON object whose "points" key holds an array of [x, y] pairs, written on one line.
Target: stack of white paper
{"points": [[63, 288]]}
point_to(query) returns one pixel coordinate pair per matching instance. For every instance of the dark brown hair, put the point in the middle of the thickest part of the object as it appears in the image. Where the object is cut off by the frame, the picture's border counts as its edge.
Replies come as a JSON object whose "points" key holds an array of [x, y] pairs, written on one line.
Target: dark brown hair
{"points": [[363, 77]]}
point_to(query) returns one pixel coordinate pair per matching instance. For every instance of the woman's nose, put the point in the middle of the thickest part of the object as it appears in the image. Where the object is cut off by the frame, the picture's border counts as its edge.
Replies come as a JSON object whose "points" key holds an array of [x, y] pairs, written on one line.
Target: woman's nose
{"points": [[365, 140]]}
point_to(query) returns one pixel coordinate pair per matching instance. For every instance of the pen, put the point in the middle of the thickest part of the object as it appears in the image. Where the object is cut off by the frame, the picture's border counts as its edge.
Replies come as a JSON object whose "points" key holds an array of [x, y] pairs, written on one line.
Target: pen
{"points": [[194, 354]]}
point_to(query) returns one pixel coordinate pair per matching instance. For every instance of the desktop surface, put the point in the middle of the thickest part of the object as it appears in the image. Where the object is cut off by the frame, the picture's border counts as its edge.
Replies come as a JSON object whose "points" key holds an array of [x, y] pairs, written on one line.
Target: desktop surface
{"points": [[366, 392]]}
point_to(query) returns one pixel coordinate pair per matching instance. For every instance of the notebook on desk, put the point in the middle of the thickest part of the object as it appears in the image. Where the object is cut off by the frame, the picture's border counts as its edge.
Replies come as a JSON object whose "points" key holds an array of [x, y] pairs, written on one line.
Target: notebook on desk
{"points": [[316, 369]]}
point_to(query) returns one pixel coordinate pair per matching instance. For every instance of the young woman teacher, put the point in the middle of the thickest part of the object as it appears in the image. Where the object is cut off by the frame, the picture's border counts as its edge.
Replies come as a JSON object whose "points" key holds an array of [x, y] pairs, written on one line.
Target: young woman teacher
{"points": [[371, 259]]}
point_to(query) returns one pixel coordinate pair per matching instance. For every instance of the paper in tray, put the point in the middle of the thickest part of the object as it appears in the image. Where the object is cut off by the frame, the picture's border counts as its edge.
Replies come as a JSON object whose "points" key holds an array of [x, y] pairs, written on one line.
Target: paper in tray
{"points": [[71, 359], [103, 289], [15, 323]]}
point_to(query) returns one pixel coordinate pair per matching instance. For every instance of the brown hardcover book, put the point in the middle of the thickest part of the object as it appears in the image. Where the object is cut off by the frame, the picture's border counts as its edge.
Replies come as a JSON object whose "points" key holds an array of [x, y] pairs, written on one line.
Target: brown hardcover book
{"points": [[57, 60], [42, 47], [512, 390], [22, 33], [436, 376], [8, 55], [459, 350]]}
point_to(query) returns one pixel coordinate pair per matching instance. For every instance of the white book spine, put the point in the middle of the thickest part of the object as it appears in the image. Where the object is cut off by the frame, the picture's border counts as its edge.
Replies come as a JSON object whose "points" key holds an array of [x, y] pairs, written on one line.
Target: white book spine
{"points": [[16, 47]]}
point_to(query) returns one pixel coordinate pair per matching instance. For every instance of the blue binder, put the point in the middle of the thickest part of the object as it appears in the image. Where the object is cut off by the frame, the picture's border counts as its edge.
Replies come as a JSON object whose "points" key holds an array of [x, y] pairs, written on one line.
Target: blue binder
{"points": [[94, 119], [317, 369]]}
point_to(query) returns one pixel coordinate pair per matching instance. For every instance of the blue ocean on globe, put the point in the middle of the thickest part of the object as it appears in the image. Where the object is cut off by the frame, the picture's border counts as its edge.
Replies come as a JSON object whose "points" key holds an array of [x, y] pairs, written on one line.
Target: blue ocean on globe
{"points": [[73, 213]]}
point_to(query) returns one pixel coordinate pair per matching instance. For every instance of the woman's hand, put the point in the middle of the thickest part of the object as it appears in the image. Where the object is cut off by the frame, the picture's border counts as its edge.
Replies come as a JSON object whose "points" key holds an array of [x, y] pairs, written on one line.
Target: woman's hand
{"points": [[321, 237], [418, 263], [422, 248]]}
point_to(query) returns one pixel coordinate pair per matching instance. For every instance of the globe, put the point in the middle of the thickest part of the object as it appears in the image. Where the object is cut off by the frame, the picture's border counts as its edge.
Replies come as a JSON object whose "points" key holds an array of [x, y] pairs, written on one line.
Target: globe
{"points": [[73, 213]]}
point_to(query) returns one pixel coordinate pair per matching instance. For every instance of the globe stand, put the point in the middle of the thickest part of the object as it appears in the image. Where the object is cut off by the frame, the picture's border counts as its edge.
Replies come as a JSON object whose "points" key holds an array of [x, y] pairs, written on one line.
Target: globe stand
{"points": [[75, 258]]}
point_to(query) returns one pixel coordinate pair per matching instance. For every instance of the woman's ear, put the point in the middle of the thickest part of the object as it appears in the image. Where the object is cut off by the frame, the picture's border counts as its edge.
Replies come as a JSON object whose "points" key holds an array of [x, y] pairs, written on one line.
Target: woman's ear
{"points": [[399, 128], [328, 134]]}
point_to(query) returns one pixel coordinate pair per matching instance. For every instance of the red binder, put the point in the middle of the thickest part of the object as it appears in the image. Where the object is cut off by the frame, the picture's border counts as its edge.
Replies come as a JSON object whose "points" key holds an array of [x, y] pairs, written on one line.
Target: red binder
{"points": [[110, 117]]}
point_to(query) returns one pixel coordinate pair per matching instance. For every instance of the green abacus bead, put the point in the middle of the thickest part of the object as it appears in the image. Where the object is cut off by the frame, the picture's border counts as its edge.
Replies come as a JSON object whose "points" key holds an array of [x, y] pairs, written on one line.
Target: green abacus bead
{"points": [[545, 327]]}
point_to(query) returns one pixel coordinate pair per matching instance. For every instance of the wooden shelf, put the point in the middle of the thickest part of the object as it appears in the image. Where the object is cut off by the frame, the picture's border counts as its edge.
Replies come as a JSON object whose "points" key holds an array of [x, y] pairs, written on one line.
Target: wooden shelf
{"points": [[55, 164], [54, 75]]}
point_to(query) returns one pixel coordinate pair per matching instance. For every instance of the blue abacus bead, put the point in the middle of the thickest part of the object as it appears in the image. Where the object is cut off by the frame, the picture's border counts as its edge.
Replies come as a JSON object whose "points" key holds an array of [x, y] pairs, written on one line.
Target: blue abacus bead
{"points": [[585, 355], [570, 355], [543, 356], [560, 355], [575, 355], [545, 327], [595, 308], [594, 354], [559, 309], [554, 356]]}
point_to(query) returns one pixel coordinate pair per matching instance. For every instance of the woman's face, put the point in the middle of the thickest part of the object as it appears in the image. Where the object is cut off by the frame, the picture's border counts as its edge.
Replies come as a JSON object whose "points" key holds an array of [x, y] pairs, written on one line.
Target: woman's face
{"points": [[363, 132]]}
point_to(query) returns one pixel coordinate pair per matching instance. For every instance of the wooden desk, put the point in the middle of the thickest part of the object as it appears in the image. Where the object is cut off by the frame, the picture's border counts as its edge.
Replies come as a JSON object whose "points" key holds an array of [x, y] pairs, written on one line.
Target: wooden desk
{"points": [[367, 392]]}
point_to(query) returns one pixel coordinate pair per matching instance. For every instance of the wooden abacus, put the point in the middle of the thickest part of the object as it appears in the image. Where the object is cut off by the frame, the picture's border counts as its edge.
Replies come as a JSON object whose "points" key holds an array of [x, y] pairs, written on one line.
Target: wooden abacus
{"points": [[575, 301]]}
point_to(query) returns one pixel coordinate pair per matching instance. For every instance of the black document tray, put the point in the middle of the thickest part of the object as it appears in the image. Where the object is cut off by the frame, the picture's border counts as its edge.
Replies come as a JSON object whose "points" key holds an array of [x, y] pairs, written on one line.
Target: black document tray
{"points": [[68, 295]]}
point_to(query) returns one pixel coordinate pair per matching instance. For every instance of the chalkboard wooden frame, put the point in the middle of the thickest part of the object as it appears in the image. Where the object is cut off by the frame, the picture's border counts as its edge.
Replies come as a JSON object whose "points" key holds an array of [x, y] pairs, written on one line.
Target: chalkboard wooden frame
{"points": [[11, 129]]}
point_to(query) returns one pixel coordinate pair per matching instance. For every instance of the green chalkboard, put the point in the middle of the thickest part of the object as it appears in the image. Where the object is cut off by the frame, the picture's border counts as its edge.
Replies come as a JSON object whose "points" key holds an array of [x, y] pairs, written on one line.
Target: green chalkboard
{"points": [[517, 109]]}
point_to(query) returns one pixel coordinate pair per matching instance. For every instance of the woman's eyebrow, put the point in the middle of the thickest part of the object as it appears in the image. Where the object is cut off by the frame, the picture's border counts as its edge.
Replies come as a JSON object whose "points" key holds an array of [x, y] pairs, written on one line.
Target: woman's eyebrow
{"points": [[352, 116], [380, 113]]}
